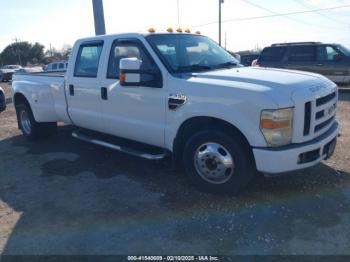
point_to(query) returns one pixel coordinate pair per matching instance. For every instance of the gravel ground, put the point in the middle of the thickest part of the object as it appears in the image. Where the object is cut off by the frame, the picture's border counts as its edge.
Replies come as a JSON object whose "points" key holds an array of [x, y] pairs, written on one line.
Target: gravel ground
{"points": [[63, 196]]}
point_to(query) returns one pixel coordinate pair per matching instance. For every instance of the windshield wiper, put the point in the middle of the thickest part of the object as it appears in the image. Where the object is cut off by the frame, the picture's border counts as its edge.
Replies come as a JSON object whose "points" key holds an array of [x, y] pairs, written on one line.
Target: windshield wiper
{"points": [[193, 67], [226, 65]]}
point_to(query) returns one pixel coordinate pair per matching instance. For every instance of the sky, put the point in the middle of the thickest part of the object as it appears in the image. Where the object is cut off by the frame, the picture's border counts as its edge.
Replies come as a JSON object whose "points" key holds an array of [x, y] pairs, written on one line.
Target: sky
{"points": [[61, 22]]}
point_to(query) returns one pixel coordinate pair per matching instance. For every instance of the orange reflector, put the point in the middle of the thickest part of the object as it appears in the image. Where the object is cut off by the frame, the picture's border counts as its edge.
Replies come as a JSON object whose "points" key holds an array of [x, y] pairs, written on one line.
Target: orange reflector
{"points": [[188, 31], [269, 124], [179, 30], [122, 77], [151, 30], [170, 30]]}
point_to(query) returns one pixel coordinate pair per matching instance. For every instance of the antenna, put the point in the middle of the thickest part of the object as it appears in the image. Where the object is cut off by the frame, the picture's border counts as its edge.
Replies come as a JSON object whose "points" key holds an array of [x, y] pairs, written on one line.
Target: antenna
{"points": [[178, 13], [17, 51]]}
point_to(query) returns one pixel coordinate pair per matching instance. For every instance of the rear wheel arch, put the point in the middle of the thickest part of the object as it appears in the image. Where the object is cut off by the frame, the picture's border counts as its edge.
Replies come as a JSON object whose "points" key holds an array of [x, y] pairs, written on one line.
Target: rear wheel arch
{"points": [[19, 99]]}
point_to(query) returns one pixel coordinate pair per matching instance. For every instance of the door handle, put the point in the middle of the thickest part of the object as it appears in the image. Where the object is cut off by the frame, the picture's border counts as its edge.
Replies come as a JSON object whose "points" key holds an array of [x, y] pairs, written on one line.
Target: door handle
{"points": [[319, 64], [71, 90], [176, 100], [104, 94]]}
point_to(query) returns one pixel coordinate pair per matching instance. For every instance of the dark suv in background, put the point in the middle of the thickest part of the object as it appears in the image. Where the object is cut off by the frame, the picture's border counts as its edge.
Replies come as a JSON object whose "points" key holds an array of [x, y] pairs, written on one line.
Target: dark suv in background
{"points": [[330, 60]]}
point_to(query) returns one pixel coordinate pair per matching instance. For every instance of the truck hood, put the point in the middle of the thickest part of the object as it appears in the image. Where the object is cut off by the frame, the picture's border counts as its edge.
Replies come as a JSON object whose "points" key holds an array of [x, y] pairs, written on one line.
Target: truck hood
{"points": [[277, 83]]}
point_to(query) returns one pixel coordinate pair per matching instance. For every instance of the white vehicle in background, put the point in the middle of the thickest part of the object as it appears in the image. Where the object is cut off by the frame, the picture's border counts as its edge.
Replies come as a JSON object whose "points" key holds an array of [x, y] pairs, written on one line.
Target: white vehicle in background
{"points": [[36, 69], [7, 71], [183, 95], [2, 100], [56, 67]]}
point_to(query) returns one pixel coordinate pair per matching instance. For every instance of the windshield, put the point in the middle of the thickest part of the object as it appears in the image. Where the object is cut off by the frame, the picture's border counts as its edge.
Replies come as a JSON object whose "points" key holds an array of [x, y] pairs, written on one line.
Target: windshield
{"points": [[344, 50], [189, 53]]}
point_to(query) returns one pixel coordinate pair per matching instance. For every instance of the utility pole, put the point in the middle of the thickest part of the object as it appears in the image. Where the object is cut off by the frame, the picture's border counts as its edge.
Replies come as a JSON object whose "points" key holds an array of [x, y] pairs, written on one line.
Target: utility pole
{"points": [[99, 17], [17, 51], [220, 3]]}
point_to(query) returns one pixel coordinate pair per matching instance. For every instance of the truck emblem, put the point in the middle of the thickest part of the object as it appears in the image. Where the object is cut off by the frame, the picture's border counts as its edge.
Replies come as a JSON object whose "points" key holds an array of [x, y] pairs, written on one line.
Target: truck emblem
{"points": [[331, 109]]}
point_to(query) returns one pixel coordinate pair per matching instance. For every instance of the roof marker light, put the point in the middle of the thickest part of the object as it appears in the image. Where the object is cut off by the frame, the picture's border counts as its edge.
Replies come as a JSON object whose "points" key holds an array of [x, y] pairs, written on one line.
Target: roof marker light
{"points": [[188, 31], [170, 30], [198, 32], [179, 30], [152, 30]]}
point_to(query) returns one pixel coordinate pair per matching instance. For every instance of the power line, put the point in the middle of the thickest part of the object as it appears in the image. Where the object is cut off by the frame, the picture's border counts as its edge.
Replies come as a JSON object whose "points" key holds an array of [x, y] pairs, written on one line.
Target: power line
{"points": [[274, 15], [273, 12], [300, 2]]}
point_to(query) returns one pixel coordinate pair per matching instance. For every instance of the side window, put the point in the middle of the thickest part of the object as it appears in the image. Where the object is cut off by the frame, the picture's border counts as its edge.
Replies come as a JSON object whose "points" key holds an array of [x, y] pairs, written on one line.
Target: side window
{"points": [[301, 54], [326, 53], [87, 61], [272, 54], [128, 49], [60, 66], [54, 66]]}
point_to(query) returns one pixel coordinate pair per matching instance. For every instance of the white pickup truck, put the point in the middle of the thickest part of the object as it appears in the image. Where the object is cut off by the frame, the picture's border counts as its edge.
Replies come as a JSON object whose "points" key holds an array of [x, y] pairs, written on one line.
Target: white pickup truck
{"points": [[157, 94]]}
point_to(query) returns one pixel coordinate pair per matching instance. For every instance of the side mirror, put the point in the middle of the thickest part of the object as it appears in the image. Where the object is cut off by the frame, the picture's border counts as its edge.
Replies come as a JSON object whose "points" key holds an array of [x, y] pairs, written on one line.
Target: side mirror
{"points": [[130, 73], [337, 58]]}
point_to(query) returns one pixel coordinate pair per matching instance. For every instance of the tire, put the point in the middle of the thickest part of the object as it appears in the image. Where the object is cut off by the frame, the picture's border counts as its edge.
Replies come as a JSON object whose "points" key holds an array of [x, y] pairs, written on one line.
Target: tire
{"points": [[30, 128], [2, 101], [218, 163]]}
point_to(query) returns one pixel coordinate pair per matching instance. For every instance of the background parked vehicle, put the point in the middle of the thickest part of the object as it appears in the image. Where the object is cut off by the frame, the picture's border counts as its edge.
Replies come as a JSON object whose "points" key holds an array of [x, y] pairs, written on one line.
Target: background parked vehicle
{"points": [[2, 100], [56, 67], [247, 60], [330, 60], [7, 71], [35, 69]]}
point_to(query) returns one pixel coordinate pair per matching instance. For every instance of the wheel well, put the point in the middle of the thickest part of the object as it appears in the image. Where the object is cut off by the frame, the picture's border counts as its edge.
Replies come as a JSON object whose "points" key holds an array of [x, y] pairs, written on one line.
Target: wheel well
{"points": [[195, 124], [20, 99]]}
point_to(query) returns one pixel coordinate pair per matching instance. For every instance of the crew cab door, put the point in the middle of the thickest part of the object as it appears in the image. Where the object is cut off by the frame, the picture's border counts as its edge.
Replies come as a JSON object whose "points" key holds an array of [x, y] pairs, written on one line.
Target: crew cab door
{"points": [[133, 112], [83, 87]]}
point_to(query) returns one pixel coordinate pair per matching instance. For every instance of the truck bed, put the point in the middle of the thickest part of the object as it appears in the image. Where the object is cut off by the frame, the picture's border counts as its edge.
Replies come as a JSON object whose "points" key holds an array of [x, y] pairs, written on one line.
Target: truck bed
{"points": [[46, 94]]}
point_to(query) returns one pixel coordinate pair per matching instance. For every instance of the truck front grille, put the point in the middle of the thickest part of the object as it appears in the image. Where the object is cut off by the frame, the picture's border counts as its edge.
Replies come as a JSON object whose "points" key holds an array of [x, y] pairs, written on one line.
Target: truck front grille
{"points": [[319, 115], [324, 124], [307, 118], [324, 100]]}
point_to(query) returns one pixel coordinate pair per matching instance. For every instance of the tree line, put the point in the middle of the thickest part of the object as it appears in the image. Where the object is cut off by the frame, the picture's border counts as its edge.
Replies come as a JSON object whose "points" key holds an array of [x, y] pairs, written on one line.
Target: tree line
{"points": [[24, 53]]}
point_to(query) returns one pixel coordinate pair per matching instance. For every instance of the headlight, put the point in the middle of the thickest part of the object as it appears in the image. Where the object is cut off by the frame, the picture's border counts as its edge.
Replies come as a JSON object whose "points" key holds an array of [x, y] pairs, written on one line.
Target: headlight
{"points": [[277, 126]]}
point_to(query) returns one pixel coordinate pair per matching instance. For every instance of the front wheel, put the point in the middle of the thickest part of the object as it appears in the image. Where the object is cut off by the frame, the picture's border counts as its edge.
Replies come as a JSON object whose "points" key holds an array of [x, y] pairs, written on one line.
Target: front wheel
{"points": [[217, 162], [30, 128]]}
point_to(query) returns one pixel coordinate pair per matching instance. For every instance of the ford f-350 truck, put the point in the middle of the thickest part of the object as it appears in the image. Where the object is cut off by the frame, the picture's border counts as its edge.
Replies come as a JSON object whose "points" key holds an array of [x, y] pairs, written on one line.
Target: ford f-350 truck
{"points": [[181, 94]]}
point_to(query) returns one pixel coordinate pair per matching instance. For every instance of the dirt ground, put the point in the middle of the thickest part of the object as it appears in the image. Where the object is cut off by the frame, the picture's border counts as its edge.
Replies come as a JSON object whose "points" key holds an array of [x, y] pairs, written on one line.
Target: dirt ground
{"points": [[63, 196]]}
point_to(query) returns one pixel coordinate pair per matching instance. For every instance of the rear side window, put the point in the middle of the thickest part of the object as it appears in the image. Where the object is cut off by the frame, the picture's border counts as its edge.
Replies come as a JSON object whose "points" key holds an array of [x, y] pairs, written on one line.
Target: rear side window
{"points": [[88, 59], [54, 66], [302, 54], [61, 66], [272, 54]]}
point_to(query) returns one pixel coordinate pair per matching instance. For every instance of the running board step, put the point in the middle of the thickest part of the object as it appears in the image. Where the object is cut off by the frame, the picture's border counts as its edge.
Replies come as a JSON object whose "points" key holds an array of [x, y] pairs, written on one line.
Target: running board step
{"points": [[123, 149]]}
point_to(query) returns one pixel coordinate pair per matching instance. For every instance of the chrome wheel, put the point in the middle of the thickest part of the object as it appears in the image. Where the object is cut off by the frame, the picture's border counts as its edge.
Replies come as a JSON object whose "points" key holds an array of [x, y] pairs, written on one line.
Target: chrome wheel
{"points": [[214, 163], [25, 123]]}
